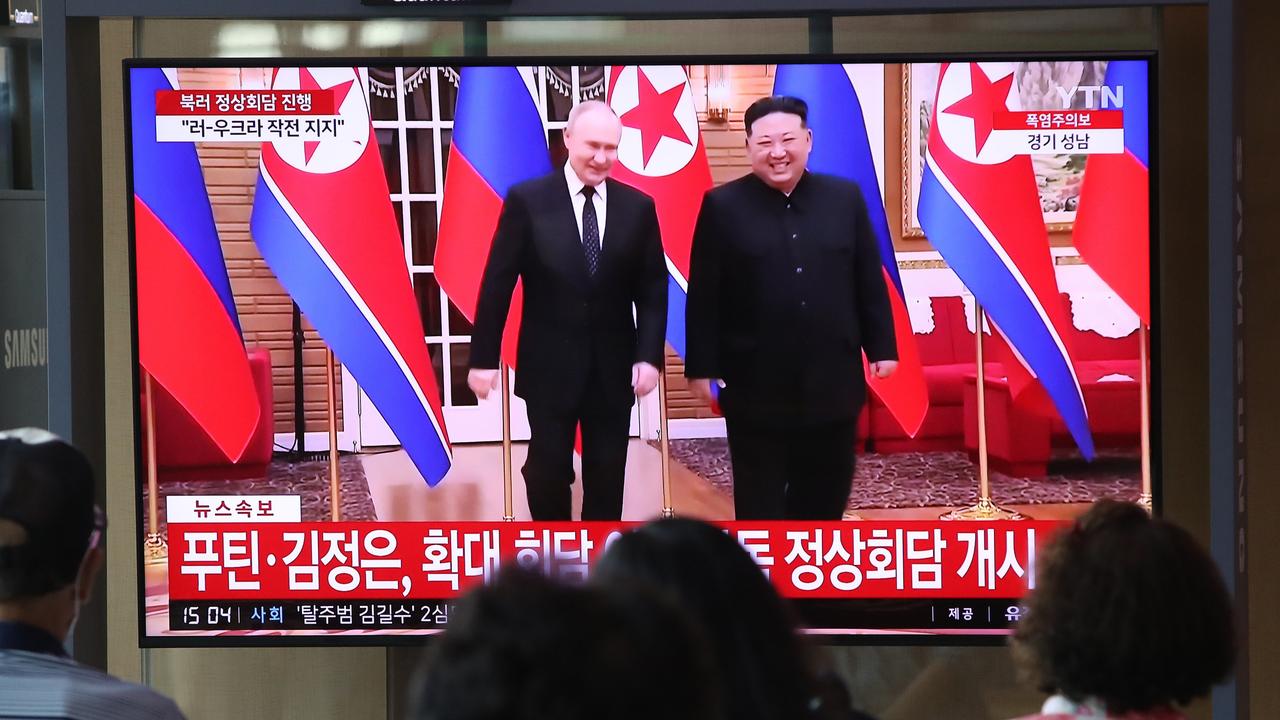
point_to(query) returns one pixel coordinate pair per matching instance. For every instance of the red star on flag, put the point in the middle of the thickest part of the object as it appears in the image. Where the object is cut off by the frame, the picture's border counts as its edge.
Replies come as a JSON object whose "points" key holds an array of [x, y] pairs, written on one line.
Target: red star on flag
{"points": [[655, 115], [985, 98], [307, 81]]}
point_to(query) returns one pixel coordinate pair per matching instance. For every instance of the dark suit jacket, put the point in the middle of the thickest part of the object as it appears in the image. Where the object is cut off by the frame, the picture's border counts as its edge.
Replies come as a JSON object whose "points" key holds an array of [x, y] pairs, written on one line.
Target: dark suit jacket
{"points": [[577, 334], [784, 295]]}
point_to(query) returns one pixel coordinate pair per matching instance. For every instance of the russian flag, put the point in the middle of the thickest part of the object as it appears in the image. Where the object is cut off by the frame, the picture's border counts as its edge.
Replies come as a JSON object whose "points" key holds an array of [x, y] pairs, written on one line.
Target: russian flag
{"points": [[323, 219], [980, 208], [1112, 229], [188, 334], [662, 154], [841, 147], [498, 141]]}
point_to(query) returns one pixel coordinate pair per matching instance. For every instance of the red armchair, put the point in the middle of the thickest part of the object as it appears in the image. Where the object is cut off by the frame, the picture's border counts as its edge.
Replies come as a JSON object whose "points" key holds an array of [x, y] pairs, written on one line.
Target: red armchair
{"points": [[183, 448], [947, 354], [1019, 442]]}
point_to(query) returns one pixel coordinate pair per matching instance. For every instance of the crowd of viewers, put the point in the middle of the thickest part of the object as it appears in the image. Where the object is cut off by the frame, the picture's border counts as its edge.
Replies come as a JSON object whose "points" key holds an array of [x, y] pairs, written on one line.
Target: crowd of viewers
{"points": [[1130, 619]]}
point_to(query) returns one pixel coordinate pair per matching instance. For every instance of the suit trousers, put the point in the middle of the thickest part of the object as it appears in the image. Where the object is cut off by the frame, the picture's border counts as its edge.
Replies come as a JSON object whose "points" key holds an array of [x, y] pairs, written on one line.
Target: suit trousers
{"points": [[791, 472], [548, 470]]}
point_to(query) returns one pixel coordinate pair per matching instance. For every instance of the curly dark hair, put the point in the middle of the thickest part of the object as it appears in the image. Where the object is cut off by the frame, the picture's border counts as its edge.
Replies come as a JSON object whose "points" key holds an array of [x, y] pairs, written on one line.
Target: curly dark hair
{"points": [[1127, 609]]}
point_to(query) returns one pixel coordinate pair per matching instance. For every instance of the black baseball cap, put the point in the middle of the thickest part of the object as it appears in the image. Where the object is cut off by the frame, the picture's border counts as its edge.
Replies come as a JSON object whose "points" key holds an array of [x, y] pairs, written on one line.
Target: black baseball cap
{"points": [[47, 491]]}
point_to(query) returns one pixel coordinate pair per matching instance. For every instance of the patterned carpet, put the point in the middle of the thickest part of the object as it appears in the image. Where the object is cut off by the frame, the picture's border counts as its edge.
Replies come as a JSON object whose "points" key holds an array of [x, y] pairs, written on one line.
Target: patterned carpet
{"points": [[943, 479], [309, 479]]}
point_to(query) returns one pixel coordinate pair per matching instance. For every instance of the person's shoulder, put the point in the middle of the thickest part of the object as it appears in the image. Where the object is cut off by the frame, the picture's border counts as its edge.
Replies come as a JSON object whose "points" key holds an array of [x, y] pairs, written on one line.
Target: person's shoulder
{"points": [[834, 191], [833, 184], [101, 692], [78, 690], [734, 189], [536, 186], [629, 193]]}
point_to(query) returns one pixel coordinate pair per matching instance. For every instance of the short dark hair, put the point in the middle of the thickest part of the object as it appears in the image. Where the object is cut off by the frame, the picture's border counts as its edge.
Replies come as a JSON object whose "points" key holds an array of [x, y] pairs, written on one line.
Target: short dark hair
{"points": [[47, 513], [1127, 609], [776, 104], [767, 670], [527, 648]]}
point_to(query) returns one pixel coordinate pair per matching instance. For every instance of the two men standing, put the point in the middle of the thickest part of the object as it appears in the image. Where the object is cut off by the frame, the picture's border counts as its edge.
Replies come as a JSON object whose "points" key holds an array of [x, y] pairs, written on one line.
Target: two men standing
{"points": [[785, 293]]}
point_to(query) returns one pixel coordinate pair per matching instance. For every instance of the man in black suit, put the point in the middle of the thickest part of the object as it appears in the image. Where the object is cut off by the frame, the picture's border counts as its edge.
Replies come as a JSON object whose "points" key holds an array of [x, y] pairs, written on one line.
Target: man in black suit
{"points": [[786, 291], [588, 249]]}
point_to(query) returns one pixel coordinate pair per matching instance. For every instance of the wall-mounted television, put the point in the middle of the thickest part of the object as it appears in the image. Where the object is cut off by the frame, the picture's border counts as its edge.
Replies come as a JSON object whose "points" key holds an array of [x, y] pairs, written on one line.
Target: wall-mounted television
{"points": [[324, 251]]}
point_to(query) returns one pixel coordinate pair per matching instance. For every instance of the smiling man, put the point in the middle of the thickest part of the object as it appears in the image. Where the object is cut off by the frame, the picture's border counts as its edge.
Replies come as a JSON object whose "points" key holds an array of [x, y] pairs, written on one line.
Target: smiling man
{"points": [[588, 250], [786, 292]]}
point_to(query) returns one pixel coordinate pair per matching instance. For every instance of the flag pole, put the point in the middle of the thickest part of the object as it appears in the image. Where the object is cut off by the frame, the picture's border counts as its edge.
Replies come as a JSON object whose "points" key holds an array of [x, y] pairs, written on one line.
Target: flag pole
{"points": [[508, 514], [664, 439], [335, 490], [1144, 384], [985, 509], [156, 546]]}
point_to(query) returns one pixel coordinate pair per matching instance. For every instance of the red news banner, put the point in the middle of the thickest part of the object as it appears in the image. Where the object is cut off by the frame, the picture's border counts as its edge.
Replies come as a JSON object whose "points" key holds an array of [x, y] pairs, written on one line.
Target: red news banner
{"points": [[254, 116], [246, 102], [421, 560]]}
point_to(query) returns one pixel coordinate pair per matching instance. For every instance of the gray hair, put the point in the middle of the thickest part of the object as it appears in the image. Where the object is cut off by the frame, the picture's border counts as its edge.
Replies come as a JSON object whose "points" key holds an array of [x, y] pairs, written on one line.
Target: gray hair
{"points": [[585, 107]]}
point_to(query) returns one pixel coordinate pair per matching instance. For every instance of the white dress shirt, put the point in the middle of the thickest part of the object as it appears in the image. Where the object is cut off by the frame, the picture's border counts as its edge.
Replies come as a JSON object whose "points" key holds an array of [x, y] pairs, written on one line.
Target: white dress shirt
{"points": [[580, 201]]}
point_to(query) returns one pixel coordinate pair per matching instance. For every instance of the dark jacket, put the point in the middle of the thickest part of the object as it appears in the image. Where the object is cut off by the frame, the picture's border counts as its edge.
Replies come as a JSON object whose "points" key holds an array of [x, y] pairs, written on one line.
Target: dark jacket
{"points": [[577, 333], [785, 293]]}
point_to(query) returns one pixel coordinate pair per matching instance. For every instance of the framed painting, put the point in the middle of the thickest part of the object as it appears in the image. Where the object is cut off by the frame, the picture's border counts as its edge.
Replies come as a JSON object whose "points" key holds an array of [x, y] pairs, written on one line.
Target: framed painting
{"points": [[1040, 85]]}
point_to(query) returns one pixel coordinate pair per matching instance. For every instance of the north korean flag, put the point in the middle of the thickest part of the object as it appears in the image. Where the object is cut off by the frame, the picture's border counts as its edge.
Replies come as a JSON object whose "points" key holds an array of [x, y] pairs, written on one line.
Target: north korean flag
{"points": [[662, 154], [323, 219], [980, 208]]}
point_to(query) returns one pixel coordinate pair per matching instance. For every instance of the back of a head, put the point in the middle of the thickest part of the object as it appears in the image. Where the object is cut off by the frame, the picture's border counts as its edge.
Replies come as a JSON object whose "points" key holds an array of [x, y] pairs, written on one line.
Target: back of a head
{"points": [[1129, 610], [765, 670], [525, 647], [46, 513]]}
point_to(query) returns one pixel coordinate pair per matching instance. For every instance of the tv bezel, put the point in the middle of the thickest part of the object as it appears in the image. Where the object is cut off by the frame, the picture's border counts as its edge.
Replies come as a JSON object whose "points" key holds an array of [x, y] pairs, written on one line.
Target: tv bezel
{"points": [[826, 636]]}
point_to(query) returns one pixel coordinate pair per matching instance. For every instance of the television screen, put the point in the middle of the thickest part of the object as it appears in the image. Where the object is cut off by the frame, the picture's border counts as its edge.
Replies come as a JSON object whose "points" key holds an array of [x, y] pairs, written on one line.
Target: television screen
{"points": [[398, 324]]}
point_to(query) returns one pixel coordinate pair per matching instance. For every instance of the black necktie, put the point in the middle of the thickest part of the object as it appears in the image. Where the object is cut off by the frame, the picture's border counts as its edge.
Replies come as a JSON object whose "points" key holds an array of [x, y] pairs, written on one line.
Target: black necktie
{"points": [[590, 230]]}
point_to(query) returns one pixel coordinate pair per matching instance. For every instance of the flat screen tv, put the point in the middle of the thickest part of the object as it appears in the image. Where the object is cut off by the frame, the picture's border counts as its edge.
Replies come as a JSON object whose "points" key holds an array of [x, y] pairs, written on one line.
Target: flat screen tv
{"points": [[309, 241]]}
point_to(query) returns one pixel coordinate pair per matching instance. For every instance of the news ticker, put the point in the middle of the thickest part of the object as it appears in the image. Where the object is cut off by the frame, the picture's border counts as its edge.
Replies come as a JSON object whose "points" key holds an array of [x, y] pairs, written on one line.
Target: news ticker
{"points": [[329, 562], [397, 614]]}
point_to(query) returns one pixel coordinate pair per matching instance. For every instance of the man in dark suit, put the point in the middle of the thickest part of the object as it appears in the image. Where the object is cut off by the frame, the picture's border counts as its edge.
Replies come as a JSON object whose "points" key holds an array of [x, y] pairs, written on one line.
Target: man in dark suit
{"points": [[588, 249], [785, 293]]}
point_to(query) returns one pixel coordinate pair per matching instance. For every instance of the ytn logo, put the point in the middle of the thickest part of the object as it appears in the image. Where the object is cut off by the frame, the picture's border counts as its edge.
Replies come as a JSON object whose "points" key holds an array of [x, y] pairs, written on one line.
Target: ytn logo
{"points": [[1096, 97]]}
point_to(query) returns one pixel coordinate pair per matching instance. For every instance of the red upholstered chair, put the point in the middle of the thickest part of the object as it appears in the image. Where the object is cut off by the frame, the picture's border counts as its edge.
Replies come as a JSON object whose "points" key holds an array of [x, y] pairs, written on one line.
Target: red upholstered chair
{"points": [[1115, 410], [1019, 442], [947, 354], [183, 448]]}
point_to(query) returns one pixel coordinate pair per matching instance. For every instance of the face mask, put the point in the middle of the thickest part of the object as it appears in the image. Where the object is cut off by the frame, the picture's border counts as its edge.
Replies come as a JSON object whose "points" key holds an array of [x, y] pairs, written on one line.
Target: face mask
{"points": [[69, 643]]}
